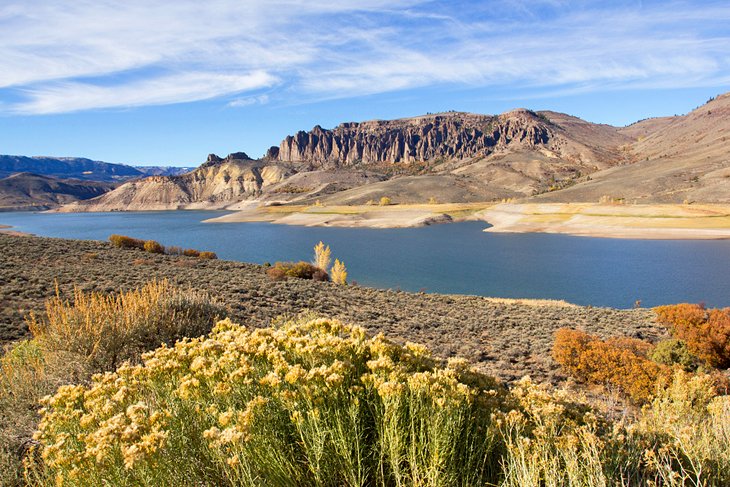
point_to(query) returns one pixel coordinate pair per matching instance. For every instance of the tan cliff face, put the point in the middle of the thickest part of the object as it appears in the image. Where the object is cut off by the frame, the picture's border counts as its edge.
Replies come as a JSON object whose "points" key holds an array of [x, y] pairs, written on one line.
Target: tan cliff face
{"points": [[446, 136], [448, 157], [215, 184]]}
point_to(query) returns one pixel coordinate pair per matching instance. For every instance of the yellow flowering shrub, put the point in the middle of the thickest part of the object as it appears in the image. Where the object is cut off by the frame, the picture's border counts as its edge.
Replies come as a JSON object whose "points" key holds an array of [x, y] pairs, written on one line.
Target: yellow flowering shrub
{"points": [[308, 402], [312, 401]]}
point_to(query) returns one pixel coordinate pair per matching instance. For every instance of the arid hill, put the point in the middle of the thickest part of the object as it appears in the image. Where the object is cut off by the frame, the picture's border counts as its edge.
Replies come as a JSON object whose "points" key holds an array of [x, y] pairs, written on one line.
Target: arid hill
{"points": [[215, 184], [676, 159], [25, 191], [461, 157], [449, 157]]}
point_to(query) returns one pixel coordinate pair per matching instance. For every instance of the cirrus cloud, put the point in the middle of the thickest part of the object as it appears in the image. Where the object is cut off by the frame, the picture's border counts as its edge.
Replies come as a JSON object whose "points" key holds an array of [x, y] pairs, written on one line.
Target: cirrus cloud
{"points": [[58, 57]]}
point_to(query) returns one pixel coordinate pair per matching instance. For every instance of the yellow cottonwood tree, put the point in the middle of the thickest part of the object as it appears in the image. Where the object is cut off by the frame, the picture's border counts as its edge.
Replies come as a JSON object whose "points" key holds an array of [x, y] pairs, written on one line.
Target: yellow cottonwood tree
{"points": [[338, 273], [322, 256]]}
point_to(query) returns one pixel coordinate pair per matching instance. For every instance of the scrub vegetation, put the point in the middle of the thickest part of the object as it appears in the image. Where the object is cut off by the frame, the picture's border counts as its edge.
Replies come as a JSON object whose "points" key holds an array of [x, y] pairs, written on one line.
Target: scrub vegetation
{"points": [[138, 387], [312, 401], [154, 247], [91, 334]]}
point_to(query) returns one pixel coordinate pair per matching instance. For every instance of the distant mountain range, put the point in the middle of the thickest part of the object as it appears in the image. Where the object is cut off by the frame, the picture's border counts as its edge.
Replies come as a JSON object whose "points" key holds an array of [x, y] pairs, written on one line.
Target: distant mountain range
{"points": [[447, 157], [40, 183], [26, 191], [81, 168]]}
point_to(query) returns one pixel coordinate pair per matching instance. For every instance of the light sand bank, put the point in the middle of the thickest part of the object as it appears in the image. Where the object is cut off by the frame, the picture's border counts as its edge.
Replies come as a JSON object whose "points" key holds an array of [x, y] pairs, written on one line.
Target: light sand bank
{"points": [[7, 230], [612, 221], [395, 216], [666, 221]]}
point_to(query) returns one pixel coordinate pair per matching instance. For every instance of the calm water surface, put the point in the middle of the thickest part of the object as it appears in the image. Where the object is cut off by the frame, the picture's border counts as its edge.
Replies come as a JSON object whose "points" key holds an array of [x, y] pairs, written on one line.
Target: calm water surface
{"points": [[453, 258]]}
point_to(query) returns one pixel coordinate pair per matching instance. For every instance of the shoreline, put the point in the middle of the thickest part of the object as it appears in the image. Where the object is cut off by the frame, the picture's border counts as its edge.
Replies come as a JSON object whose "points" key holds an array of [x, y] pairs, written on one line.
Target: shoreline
{"points": [[646, 222], [357, 216], [7, 230], [598, 220]]}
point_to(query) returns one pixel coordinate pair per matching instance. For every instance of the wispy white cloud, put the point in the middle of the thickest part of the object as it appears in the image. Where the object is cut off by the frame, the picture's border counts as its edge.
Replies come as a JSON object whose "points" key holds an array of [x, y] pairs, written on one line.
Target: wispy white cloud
{"points": [[249, 100], [88, 54], [70, 97]]}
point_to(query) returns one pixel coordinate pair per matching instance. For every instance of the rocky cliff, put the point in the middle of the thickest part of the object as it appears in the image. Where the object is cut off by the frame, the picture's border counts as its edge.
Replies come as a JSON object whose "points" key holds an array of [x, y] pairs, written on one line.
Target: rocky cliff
{"points": [[215, 184], [440, 137], [458, 157], [448, 157]]}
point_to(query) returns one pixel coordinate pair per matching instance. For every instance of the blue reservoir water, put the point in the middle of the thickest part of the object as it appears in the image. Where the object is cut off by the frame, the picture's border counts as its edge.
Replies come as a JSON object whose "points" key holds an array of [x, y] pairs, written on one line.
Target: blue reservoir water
{"points": [[452, 258]]}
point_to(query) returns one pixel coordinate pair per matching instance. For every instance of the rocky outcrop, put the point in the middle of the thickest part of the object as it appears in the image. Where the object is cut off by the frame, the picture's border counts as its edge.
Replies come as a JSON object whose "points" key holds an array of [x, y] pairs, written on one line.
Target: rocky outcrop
{"points": [[445, 136], [215, 184]]}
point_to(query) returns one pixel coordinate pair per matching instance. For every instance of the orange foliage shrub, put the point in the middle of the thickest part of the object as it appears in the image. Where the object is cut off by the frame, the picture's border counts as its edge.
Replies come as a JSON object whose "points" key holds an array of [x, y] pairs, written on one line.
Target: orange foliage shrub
{"points": [[191, 253], [124, 242], [706, 332], [153, 247], [301, 270], [620, 362], [683, 315], [207, 255], [633, 345], [276, 273]]}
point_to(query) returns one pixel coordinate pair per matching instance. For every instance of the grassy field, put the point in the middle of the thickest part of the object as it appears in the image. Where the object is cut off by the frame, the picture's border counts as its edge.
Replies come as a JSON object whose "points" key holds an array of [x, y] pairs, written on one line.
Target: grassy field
{"points": [[508, 338]]}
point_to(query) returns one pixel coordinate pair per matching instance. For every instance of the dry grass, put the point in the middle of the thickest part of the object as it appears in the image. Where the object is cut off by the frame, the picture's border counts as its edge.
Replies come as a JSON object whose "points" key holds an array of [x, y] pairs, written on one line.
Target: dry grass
{"points": [[650, 216], [104, 330], [532, 302], [605, 220]]}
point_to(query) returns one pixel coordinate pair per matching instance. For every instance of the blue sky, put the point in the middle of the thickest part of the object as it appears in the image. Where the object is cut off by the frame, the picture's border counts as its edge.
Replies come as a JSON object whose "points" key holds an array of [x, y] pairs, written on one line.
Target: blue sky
{"points": [[168, 82]]}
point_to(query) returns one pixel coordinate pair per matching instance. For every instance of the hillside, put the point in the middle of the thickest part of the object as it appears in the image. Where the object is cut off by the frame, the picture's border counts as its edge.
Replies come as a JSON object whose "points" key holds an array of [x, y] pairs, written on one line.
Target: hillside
{"points": [[67, 167], [461, 157], [453, 156], [677, 159], [215, 184], [25, 191]]}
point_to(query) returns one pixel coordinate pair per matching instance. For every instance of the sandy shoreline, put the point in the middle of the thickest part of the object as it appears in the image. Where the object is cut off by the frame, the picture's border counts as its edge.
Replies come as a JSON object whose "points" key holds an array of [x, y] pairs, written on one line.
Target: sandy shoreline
{"points": [[396, 216], [665, 222], [658, 221], [7, 230], [668, 221]]}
